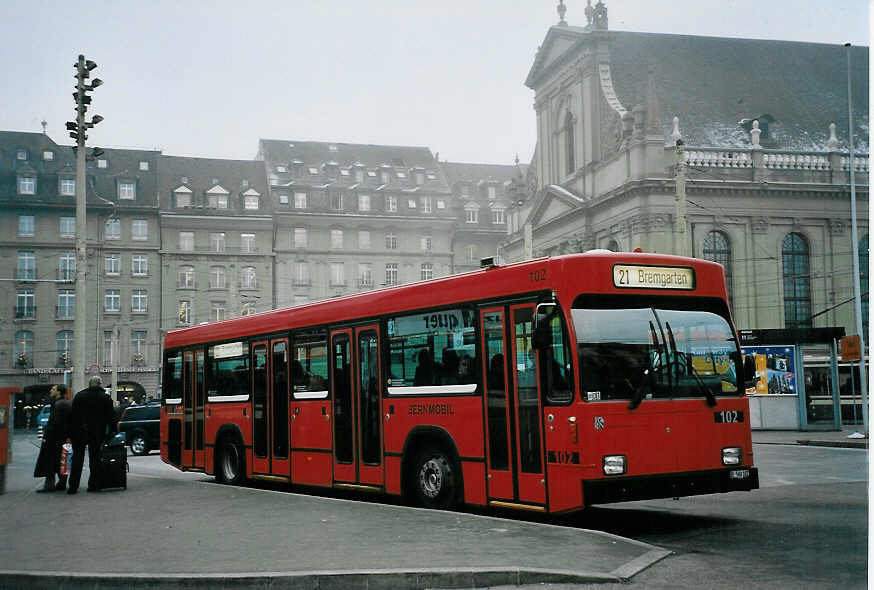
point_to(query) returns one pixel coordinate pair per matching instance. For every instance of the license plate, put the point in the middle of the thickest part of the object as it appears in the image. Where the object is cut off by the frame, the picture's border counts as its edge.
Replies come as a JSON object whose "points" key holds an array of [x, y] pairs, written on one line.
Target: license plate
{"points": [[728, 416], [739, 474]]}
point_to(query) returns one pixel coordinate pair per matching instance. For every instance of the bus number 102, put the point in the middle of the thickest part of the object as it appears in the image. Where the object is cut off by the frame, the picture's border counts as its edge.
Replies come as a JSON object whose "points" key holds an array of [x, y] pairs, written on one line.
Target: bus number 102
{"points": [[538, 275]]}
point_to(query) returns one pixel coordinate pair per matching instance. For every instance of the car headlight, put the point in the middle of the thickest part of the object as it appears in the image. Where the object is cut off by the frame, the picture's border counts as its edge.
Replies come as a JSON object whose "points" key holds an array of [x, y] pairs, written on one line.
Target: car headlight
{"points": [[614, 464], [731, 456]]}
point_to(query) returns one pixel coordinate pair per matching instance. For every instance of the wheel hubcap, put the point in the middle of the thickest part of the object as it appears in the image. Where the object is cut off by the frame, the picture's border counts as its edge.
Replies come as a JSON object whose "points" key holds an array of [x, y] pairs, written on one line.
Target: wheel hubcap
{"points": [[138, 445], [431, 478]]}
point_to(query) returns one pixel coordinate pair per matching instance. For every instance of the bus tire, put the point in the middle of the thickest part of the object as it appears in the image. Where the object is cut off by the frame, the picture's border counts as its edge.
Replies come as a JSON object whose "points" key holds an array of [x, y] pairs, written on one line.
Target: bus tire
{"points": [[435, 479], [231, 462]]}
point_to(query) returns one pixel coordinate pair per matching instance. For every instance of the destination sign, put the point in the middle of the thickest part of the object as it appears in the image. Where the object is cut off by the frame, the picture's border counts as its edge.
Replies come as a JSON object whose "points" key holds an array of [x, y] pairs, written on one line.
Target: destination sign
{"points": [[653, 277]]}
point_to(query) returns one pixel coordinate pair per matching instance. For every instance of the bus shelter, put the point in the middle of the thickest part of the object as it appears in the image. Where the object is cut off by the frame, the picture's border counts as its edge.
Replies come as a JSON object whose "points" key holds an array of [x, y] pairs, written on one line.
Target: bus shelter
{"points": [[799, 385]]}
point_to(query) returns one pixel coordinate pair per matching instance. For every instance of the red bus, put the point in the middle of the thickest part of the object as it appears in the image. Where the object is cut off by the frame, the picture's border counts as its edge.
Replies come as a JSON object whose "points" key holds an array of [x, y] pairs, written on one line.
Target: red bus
{"points": [[547, 385]]}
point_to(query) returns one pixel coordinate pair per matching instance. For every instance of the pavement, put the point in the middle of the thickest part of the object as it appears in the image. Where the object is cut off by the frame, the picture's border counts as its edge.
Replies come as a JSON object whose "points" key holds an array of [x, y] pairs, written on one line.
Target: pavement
{"points": [[812, 437], [199, 534]]}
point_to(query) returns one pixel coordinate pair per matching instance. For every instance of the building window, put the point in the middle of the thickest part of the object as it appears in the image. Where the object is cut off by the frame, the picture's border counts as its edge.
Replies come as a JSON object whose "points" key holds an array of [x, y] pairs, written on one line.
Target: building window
{"points": [[112, 301], [140, 229], [65, 345], [471, 252], [139, 265], [427, 271], [48, 156], [68, 227], [364, 239], [491, 191], [336, 238], [570, 160], [337, 201], [112, 264], [613, 246], [112, 229], [186, 241], [300, 200], [248, 308], [863, 282], [465, 190], [68, 187], [186, 314], [26, 226], [66, 304], [718, 249], [67, 266], [248, 278], [217, 277], [22, 353], [498, 216], [186, 277], [217, 242], [391, 203], [796, 281], [338, 274], [365, 274], [300, 237], [101, 163], [218, 311], [21, 155], [247, 243], [441, 204], [420, 178], [411, 203], [127, 190], [107, 348], [26, 266], [138, 346], [301, 274], [364, 202], [385, 176], [25, 304], [426, 204], [139, 301], [183, 199], [391, 240], [144, 166], [252, 202], [219, 202], [26, 184], [391, 273], [425, 243], [283, 199], [471, 215]]}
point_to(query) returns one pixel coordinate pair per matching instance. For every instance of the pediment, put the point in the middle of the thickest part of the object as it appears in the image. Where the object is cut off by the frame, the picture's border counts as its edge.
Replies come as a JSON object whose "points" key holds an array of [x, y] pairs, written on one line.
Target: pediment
{"points": [[555, 201], [251, 193], [559, 40], [218, 190], [182, 189]]}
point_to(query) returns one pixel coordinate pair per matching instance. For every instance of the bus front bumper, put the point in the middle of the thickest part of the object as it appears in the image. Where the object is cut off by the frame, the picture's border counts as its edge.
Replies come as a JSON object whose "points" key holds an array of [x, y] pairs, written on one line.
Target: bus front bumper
{"points": [[673, 485]]}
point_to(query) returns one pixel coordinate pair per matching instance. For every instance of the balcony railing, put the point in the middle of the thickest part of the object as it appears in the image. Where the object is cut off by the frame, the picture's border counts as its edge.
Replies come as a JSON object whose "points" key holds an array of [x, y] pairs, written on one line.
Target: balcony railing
{"points": [[25, 312], [365, 283], [774, 160]]}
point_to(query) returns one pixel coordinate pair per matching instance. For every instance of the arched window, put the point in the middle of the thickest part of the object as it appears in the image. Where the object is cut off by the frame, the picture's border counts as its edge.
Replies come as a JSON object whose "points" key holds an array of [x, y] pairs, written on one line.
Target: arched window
{"points": [[248, 278], [718, 249], [863, 280], [796, 281], [23, 350], [613, 246], [570, 160]]}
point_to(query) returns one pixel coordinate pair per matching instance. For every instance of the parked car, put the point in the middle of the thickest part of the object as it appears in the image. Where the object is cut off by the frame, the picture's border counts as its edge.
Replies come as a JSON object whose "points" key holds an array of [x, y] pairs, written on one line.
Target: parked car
{"points": [[141, 426], [42, 419]]}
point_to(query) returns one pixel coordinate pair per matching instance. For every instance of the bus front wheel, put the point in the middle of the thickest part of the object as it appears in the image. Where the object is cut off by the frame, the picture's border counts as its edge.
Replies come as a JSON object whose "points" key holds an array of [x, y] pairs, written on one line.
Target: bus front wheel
{"points": [[231, 462], [436, 480]]}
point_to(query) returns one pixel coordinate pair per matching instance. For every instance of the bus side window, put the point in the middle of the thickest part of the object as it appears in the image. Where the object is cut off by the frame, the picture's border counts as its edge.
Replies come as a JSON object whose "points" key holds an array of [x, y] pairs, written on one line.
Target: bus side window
{"points": [[555, 370]]}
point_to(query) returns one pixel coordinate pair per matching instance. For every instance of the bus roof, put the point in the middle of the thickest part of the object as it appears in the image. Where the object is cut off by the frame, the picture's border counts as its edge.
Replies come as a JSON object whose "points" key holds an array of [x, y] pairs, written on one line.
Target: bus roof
{"points": [[589, 272]]}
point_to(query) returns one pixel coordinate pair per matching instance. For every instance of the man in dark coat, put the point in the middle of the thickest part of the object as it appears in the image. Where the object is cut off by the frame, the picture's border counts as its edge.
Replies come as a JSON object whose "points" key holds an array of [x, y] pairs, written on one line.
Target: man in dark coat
{"points": [[92, 414], [56, 434]]}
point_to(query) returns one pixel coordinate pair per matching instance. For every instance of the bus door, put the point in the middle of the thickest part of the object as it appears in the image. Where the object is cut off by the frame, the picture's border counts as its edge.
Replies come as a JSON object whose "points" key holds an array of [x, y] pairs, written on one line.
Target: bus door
{"points": [[357, 423], [270, 407], [192, 403], [514, 446]]}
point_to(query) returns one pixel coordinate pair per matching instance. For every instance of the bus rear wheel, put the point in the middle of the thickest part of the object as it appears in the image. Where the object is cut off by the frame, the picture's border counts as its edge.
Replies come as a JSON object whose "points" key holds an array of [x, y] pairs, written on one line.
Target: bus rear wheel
{"points": [[436, 481], [231, 463]]}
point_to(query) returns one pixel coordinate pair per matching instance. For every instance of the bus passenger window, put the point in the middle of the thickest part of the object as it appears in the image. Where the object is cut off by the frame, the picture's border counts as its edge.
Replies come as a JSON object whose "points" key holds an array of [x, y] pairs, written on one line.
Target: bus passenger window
{"points": [[309, 372], [556, 375]]}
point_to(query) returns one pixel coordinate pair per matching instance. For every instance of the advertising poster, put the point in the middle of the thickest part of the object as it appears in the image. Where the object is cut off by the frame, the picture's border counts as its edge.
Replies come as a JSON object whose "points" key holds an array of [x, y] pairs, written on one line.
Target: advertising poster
{"points": [[774, 368]]}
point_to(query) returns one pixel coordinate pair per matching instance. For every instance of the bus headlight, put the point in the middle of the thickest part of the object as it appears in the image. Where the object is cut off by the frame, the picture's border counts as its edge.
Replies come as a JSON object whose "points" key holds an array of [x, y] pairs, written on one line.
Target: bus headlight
{"points": [[614, 464], [731, 456]]}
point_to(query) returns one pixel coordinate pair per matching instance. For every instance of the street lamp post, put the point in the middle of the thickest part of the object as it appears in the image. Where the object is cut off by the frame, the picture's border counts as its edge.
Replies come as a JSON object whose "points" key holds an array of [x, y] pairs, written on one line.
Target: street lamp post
{"points": [[77, 131]]}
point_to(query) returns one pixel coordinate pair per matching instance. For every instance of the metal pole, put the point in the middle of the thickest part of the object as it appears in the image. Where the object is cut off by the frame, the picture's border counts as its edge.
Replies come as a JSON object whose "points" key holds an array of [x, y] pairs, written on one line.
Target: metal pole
{"points": [[79, 320], [857, 288], [115, 333]]}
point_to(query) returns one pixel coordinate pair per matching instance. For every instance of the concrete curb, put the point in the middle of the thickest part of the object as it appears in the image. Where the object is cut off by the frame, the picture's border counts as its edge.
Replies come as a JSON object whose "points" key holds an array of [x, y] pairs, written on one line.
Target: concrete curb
{"points": [[377, 579], [836, 443]]}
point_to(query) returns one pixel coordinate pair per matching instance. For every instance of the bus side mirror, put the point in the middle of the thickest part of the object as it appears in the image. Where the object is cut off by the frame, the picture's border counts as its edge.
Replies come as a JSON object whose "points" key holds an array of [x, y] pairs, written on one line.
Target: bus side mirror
{"points": [[542, 337]]}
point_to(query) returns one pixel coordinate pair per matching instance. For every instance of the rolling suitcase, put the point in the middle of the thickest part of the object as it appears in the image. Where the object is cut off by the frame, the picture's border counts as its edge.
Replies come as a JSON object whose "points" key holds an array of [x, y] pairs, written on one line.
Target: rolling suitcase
{"points": [[113, 463]]}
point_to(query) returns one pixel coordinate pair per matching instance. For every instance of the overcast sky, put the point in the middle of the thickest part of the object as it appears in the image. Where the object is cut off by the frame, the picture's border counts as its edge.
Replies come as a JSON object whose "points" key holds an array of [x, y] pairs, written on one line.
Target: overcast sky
{"points": [[209, 78]]}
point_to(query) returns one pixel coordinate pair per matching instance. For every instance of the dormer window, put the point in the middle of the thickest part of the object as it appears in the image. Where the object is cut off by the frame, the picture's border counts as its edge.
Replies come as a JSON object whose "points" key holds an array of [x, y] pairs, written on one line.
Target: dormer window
{"points": [[182, 196], [491, 191], [127, 190], [21, 155], [283, 199], [313, 170], [359, 175], [251, 202], [465, 190], [217, 197], [101, 163], [371, 173], [281, 169], [386, 177], [48, 155], [420, 178], [245, 183], [67, 187], [26, 184], [344, 172], [144, 166]]}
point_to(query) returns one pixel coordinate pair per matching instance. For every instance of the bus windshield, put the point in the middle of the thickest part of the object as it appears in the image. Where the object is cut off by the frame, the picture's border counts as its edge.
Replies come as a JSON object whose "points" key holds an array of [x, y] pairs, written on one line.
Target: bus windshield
{"points": [[644, 353]]}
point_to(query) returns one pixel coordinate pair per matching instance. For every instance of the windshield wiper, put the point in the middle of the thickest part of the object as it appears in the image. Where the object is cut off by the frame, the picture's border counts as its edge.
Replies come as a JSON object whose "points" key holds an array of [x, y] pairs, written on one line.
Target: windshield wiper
{"points": [[686, 362]]}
